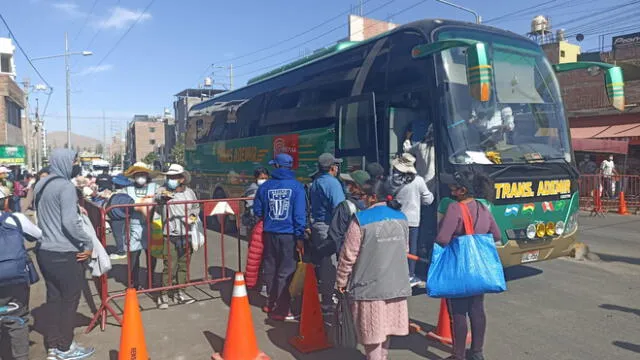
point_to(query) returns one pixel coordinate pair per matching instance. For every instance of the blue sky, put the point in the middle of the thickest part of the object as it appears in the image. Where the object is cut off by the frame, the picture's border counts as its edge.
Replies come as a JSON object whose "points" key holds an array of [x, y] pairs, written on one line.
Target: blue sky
{"points": [[175, 41]]}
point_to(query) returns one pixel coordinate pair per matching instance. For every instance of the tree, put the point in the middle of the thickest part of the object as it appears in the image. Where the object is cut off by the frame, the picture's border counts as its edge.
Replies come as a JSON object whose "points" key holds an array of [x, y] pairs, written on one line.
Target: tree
{"points": [[99, 148], [151, 158], [177, 154]]}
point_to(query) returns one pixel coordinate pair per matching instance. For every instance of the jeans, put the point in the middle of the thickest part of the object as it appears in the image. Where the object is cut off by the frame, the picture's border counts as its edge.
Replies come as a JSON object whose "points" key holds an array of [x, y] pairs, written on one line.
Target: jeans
{"points": [[459, 308], [118, 231], [135, 268], [413, 248], [64, 279], [177, 249], [15, 324], [279, 264]]}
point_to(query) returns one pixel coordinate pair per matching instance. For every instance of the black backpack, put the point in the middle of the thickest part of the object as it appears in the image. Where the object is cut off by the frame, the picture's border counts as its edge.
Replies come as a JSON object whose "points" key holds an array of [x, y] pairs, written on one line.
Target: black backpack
{"points": [[13, 257]]}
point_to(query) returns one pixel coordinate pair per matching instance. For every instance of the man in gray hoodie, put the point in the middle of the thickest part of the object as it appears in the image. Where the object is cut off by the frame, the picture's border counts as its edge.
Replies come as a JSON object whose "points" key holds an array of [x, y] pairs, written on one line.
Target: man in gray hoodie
{"points": [[61, 251]]}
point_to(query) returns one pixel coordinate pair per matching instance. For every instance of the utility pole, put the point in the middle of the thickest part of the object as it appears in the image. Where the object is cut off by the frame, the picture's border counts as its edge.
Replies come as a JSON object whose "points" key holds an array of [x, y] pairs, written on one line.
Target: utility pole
{"points": [[38, 134], [104, 136], [230, 76], [27, 139], [67, 75]]}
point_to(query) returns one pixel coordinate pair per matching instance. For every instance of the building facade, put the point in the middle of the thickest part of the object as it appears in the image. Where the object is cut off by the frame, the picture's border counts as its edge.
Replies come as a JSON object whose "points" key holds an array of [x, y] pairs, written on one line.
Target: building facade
{"points": [[184, 100], [145, 135]]}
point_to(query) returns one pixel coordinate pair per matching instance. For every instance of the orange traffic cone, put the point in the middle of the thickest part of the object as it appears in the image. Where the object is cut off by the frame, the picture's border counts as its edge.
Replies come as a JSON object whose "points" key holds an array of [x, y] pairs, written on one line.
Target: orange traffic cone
{"points": [[622, 207], [240, 343], [312, 336], [443, 330], [132, 343]]}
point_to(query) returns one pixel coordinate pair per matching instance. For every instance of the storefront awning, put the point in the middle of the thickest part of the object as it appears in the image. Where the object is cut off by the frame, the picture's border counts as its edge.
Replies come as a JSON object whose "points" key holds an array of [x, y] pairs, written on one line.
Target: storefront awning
{"points": [[600, 145], [613, 131]]}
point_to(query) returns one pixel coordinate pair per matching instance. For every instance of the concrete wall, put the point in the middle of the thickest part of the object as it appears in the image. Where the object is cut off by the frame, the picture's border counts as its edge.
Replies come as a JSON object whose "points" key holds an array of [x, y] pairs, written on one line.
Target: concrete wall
{"points": [[362, 28]]}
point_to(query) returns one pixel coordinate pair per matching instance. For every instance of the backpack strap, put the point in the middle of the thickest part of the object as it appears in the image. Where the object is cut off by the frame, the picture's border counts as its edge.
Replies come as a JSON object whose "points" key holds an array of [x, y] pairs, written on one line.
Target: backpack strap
{"points": [[6, 215], [48, 181]]}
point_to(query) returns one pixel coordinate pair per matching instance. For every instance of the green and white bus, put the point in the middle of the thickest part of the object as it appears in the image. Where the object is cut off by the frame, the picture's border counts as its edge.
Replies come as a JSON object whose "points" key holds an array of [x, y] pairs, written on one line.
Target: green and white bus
{"points": [[491, 95]]}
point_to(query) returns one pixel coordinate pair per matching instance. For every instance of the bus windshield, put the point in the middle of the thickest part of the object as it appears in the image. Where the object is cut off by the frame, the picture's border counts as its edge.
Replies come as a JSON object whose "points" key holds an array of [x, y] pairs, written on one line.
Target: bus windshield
{"points": [[524, 119]]}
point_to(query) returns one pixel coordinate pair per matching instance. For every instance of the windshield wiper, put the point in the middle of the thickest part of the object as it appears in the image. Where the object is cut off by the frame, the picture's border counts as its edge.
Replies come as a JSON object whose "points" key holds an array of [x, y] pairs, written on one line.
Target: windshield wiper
{"points": [[517, 166], [571, 169]]}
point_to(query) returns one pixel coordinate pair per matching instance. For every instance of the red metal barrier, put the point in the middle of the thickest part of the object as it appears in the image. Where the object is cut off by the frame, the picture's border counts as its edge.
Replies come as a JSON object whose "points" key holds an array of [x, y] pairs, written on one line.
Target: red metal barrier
{"points": [[218, 207], [600, 194]]}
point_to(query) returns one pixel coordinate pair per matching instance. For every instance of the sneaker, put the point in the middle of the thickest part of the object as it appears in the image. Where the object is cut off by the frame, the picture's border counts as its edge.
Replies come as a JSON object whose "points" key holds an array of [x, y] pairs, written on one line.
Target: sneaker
{"points": [[117, 256], [182, 298], [75, 352], [414, 281], [288, 317], [266, 309], [476, 356], [163, 302]]}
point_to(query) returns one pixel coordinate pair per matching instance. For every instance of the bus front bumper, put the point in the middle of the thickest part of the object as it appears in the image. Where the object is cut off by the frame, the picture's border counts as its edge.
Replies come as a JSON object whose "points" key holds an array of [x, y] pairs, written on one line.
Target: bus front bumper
{"points": [[513, 253]]}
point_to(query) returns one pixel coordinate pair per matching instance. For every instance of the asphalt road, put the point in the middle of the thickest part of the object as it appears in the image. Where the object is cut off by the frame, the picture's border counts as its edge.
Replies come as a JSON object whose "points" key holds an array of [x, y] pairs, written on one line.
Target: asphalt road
{"points": [[561, 309]]}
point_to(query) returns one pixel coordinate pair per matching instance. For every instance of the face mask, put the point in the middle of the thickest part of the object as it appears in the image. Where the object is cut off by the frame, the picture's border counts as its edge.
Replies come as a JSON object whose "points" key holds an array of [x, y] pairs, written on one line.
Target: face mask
{"points": [[141, 180], [610, 159], [76, 171], [261, 181], [398, 178], [173, 184]]}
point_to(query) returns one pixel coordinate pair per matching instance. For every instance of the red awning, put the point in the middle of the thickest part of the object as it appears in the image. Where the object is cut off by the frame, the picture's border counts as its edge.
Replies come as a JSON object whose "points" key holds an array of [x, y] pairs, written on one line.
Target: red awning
{"points": [[600, 145]]}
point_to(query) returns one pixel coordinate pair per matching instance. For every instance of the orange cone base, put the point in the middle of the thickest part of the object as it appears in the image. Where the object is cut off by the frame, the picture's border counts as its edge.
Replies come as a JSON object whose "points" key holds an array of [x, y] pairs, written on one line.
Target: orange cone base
{"points": [[261, 356], [300, 345], [445, 340]]}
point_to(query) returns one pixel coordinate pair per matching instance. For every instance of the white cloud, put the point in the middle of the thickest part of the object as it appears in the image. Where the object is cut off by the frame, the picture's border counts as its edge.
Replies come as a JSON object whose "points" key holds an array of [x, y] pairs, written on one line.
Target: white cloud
{"points": [[94, 69], [121, 18], [68, 8]]}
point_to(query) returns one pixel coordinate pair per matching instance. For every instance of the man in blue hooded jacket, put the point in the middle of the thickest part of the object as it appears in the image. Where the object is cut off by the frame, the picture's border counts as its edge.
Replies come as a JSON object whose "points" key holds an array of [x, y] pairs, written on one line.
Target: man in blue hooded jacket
{"points": [[281, 203]]}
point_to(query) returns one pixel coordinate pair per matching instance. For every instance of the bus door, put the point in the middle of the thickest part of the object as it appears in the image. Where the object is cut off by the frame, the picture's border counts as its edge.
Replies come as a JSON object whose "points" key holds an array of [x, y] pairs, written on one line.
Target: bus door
{"points": [[356, 131], [403, 122]]}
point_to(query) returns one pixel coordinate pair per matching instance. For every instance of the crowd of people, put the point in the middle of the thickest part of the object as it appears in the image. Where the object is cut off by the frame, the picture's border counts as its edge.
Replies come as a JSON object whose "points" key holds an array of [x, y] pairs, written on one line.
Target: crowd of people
{"points": [[357, 228], [45, 209]]}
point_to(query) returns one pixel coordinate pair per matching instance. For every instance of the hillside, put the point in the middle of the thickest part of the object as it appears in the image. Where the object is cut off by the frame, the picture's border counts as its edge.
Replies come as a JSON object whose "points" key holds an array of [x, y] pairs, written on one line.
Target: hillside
{"points": [[58, 139]]}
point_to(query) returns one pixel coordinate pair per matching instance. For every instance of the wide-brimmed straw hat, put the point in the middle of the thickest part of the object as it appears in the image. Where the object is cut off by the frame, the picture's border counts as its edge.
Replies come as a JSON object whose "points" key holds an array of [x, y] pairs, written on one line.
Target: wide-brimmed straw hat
{"points": [[138, 167], [405, 164]]}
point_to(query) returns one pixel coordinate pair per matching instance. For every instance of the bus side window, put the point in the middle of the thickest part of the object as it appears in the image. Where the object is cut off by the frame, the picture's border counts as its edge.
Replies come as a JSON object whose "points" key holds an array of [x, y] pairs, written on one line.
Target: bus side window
{"points": [[404, 72], [354, 129]]}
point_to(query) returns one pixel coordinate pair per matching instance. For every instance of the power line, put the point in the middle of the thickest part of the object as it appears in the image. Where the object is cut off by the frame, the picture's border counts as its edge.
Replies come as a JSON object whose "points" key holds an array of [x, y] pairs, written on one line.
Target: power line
{"points": [[125, 33], [86, 20], [387, 3], [295, 58], [284, 40], [13, 36], [518, 12]]}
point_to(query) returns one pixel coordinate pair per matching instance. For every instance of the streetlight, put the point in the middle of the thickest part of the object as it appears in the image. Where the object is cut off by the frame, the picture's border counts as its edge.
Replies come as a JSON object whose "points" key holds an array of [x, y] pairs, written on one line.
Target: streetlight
{"points": [[67, 74]]}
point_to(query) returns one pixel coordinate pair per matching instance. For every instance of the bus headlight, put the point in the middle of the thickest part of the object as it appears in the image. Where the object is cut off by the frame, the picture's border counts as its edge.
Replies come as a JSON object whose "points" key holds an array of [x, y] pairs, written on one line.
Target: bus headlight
{"points": [[541, 230], [551, 228], [560, 227], [572, 223], [531, 231]]}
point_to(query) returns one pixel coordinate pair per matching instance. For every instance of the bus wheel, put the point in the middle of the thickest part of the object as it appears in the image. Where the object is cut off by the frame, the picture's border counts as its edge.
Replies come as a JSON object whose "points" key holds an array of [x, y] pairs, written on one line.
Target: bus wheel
{"points": [[230, 220]]}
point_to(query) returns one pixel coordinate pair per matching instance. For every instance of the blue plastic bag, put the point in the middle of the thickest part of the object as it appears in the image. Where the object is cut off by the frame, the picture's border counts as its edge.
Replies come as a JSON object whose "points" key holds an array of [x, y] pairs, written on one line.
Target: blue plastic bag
{"points": [[468, 266]]}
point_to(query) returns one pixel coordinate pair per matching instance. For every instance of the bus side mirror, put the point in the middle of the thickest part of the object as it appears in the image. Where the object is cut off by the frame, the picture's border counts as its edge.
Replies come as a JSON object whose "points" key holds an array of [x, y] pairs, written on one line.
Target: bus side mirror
{"points": [[614, 84], [478, 65], [479, 72]]}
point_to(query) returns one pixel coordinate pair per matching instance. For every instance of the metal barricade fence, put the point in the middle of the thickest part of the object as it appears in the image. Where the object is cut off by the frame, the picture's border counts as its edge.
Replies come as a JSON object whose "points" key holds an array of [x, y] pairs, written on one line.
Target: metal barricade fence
{"points": [[608, 190], [181, 226]]}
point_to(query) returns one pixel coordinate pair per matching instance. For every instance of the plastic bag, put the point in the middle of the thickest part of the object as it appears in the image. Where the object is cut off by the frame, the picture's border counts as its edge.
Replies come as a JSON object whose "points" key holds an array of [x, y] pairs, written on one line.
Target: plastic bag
{"points": [[157, 239], [344, 327], [297, 281], [468, 266], [196, 233]]}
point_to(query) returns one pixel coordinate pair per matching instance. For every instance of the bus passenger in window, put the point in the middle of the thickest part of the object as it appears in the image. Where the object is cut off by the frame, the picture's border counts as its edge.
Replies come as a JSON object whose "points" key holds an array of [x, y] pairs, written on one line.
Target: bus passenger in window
{"points": [[326, 194]]}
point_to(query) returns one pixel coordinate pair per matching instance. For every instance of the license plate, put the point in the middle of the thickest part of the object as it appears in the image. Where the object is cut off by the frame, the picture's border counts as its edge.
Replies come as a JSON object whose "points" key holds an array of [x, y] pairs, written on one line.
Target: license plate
{"points": [[530, 256]]}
